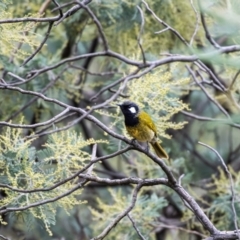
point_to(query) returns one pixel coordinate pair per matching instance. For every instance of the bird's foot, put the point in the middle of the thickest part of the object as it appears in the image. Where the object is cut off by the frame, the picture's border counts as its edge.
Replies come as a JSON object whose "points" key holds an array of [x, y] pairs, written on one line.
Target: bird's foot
{"points": [[141, 145], [134, 141], [147, 148]]}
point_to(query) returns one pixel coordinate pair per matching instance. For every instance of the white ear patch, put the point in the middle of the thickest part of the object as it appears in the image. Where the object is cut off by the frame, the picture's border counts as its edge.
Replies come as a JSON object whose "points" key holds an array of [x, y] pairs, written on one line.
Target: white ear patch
{"points": [[132, 110]]}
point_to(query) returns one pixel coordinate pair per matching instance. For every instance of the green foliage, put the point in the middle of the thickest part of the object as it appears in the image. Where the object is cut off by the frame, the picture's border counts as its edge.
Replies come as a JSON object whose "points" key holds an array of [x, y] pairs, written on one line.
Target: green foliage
{"points": [[221, 194], [147, 206], [125, 23], [224, 14], [163, 93], [23, 167], [4, 4], [11, 41], [218, 204], [158, 93]]}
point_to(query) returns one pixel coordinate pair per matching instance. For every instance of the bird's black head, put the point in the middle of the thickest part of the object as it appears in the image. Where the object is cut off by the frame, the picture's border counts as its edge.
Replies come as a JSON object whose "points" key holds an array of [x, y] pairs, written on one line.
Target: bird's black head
{"points": [[130, 111]]}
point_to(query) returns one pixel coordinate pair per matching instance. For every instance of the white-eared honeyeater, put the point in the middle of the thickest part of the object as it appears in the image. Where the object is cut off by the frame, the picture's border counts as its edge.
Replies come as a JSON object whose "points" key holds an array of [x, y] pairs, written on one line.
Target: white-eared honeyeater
{"points": [[141, 127]]}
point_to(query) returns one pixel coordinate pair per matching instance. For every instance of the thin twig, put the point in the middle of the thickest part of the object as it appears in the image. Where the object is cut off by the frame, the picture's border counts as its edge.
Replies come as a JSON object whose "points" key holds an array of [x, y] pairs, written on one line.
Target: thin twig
{"points": [[231, 184], [198, 212], [99, 106], [113, 85], [121, 215], [63, 6], [178, 58], [50, 200], [31, 101], [165, 24], [71, 11], [119, 152], [179, 228], [196, 25], [96, 21], [59, 8], [139, 39], [94, 73], [4, 238], [163, 30], [94, 152], [17, 77], [135, 227], [201, 118], [207, 94], [234, 80], [44, 6], [208, 35], [50, 121], [66, 127], [57, 121], [99, 124], [40, 46]]}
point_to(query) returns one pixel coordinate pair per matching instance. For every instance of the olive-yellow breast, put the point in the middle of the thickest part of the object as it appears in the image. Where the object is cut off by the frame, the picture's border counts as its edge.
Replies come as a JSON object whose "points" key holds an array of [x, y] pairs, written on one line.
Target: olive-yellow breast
{"points": [[141, 127]]}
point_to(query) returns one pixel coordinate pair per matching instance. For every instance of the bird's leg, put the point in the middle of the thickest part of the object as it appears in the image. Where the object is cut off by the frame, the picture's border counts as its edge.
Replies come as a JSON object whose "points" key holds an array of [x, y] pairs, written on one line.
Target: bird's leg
{"points": [[138, 144], [147, 148], [134, 142]]}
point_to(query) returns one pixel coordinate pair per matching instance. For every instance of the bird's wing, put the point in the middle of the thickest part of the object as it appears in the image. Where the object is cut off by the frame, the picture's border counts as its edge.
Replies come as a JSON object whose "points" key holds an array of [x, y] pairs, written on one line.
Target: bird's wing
{"points": [[147, 121]]}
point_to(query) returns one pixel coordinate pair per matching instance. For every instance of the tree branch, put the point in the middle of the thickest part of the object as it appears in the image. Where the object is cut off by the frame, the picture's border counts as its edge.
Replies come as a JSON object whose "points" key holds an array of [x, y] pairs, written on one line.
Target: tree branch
{"points": [[121, 215], [231, 186]]}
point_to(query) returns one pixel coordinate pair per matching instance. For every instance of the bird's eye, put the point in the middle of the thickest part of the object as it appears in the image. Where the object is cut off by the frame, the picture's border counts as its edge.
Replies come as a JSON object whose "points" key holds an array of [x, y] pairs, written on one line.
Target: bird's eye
{"points": [[132, 109]]}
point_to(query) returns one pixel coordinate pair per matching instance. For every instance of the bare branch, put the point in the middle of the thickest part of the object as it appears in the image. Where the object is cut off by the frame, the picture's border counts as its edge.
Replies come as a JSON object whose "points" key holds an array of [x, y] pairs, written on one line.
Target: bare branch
{"points": [[71, 11], [212, 75], [201, 118], [71, 177], [50, 121], [31, 101], [121, 215], [58, 6], [44, 6], [234, 80], [198, 212], [159, 226], [141, 33], [63, 6], [231, 184], [94, 151], [94, 73], [98, 24], [197, 23], [130, 180], [175, 32], [207, 94], [17, 77], [135, 227], [208, 36], [40, 46], [36, 204], [66, 127], [4, 238], [113, 84], [29, 19], [161, 31]]}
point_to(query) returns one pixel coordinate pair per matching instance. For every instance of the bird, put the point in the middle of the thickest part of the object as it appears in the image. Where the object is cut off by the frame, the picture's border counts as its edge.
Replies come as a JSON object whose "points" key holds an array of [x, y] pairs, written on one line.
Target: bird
{"points": [[141, 127]]}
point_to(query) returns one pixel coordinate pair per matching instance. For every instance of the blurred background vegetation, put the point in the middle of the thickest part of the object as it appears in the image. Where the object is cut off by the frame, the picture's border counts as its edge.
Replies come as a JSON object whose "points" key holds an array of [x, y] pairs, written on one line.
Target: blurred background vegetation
{"points": [[159, 214]]}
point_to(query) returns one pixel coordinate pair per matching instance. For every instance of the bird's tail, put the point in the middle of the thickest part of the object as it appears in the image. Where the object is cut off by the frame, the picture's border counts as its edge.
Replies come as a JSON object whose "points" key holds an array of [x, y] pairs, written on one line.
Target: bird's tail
{"points": [[159, 150]]}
